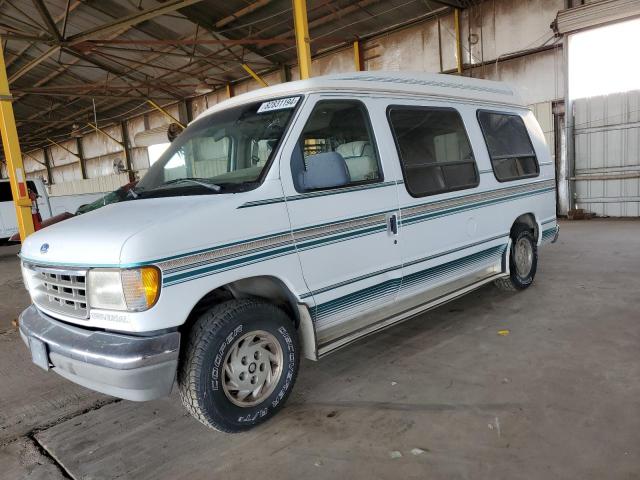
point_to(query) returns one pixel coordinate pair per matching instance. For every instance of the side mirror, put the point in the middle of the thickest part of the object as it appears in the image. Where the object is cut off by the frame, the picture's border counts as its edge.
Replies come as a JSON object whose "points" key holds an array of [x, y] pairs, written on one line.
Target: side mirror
{"points": [[325, 170]]}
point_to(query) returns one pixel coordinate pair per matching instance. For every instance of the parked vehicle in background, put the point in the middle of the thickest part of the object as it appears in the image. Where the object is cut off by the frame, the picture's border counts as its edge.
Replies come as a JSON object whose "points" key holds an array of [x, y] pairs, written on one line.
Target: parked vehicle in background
{"points": [[291, 220], [111, 197]]}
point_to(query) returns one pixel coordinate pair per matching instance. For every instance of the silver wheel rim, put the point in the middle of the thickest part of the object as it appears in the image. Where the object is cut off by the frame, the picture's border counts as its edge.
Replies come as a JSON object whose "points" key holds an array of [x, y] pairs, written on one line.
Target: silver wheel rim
{"points": [[252, 368], [523, 257]]}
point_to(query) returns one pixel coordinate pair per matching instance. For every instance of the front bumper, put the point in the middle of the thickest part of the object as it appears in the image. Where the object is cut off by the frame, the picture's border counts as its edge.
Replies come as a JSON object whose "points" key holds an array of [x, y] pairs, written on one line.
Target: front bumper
{"points": [[125, 366]]}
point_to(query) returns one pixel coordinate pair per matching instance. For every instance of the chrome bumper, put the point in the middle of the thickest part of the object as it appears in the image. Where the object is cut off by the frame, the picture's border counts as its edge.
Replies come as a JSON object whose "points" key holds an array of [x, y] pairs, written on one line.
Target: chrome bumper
{"points": [[125, 366]]}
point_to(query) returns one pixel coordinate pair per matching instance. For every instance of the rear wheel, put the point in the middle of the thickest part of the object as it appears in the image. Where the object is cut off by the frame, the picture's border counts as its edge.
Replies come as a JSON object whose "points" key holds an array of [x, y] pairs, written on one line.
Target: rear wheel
{"points": [[523, 260], [239, 365]]}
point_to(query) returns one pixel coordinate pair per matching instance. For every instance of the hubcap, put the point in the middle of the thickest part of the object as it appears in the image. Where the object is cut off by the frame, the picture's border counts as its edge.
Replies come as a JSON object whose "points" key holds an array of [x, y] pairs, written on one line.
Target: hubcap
{"points": [[252, 368], [523, 257]]}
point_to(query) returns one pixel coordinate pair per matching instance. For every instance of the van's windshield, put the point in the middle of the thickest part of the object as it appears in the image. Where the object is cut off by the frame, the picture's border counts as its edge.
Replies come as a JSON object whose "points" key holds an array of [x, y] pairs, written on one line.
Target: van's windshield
{"points": [[224, 152]]}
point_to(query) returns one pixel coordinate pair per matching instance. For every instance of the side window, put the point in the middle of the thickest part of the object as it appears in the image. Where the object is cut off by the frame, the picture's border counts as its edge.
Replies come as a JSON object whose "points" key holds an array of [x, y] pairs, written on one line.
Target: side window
{"points": [[339, 127], [434, 150], [32, 186], [5, 192], [510, 149]]}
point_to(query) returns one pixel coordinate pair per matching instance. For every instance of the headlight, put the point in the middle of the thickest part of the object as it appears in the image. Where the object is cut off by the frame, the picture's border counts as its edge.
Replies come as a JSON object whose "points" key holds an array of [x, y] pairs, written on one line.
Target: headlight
{"points": [[134, 289]]}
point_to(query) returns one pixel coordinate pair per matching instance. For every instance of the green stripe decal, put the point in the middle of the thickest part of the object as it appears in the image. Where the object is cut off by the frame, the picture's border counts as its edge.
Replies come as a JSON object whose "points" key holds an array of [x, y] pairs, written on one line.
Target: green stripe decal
{"points": [[324, 193], [470, 206], [390, 287], [397, 267]]}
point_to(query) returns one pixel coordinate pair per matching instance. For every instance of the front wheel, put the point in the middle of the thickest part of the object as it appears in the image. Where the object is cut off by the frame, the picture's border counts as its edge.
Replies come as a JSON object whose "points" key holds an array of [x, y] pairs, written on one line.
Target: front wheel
{"points": [[523, 261], [239, 365]]}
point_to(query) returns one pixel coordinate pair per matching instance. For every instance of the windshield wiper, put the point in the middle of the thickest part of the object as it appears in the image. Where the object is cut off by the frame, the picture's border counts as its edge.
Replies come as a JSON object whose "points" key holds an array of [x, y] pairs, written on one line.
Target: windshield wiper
{"points": [[203, 182]]}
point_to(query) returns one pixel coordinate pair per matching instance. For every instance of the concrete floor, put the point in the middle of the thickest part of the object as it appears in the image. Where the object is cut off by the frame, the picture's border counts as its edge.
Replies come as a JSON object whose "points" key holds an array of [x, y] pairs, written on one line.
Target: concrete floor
{"points": [[440, 396]]}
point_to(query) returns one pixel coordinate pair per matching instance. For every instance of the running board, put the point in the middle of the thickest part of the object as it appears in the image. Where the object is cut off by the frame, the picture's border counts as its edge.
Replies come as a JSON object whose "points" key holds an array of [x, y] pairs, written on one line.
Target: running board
{"points": [[403, 316]]}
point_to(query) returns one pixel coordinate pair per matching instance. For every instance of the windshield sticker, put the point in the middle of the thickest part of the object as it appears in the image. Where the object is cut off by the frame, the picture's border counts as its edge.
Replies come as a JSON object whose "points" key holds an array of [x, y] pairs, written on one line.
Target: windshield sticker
{"points": [[280, 104]]}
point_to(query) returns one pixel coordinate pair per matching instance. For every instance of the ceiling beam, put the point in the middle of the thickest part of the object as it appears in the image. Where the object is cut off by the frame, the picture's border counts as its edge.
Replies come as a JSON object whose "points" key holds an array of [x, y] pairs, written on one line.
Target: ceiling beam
{"points": [[34, 62], [48, 20], [452, 3], [130, 20], [241, 13], [202, 41], [26, 37], [116, 71], [58, 19]]}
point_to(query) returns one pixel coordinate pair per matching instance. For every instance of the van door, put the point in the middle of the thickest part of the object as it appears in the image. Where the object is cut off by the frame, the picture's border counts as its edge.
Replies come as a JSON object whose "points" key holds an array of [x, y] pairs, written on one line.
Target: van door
{"points": [[41, 202], [448, 242], [8, 224], [344, 219]]}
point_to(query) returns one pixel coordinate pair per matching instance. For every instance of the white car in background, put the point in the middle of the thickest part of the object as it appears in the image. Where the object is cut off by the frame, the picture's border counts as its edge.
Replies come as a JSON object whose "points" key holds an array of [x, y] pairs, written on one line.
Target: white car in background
{"points": [[47, 207], [291, 220]]}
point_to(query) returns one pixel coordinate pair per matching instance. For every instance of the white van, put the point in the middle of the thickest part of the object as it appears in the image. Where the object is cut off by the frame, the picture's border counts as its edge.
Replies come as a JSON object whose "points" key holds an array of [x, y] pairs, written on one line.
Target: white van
{"points": [[8, 222], [291, 220]]}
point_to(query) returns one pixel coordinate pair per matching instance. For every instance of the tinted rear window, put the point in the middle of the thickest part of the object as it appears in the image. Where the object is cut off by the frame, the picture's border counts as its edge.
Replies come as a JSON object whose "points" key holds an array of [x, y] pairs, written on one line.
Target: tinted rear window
{"points": [[510, 149]]}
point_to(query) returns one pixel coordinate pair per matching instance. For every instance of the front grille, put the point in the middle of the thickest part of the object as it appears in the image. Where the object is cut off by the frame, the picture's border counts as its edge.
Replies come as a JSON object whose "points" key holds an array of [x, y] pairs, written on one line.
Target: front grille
{"points": [[60, 290]]}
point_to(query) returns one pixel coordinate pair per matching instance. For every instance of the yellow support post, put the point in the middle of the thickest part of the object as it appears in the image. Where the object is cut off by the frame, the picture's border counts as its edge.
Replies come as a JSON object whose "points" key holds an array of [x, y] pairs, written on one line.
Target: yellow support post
{"points": [[357, 56], [456, 21], [167, 114], [12, 154], [99, 130], [229, 88], [255, 76], [303, 41]]}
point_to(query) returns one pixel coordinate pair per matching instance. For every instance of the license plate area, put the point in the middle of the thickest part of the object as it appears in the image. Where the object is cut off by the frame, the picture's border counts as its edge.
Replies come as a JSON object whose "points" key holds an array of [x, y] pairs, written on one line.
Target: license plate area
{"points": [[39, 354]]}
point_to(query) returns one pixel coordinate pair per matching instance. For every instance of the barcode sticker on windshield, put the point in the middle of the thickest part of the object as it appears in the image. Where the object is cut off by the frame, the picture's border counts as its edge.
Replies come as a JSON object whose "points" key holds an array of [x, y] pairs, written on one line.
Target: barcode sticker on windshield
{"points": [[280, 104]]}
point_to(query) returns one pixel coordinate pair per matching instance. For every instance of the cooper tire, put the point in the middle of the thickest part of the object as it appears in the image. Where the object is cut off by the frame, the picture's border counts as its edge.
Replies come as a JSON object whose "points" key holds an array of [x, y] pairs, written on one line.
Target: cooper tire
{"points": [[218, 364], [523, 260]]}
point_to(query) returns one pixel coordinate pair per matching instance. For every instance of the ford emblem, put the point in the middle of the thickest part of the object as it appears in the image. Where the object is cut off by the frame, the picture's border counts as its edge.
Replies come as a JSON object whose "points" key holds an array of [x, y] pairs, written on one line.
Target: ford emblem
{"points": [[44, 248]]}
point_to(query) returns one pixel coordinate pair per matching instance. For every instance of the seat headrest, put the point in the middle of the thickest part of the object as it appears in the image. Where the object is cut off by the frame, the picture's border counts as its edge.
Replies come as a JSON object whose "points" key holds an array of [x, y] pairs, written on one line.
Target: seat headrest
{"points": [[325, 170], [352, 149]]}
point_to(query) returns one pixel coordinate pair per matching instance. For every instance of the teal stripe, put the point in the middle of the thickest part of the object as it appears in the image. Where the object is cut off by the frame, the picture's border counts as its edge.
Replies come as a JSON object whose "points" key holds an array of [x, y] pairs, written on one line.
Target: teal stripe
{"points": [[396, 267], [379, 228], [463, 197], [549, 233], [217, 247], [341, 237], [389, 286], [471, 206], [323, 193], [171, 279], [302, 245]]}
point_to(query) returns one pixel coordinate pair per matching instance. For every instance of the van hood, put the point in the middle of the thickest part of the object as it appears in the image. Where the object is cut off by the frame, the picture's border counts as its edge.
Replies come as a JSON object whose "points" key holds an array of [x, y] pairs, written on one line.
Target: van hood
{"points": [[100, 238]]}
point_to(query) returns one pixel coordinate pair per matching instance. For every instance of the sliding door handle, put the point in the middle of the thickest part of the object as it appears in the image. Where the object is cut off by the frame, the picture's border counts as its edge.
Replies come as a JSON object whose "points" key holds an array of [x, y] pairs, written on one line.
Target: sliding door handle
{"points": [[393, 224]]}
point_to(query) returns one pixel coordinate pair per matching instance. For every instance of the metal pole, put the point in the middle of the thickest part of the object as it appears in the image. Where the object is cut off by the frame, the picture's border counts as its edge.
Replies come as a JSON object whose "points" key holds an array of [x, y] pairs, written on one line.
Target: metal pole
{"points": [[11, 145], [303, 41], [127, 151], [165, 113], [47, 164], [456, 21], [254, 75], [83, 166], [357, 56]]}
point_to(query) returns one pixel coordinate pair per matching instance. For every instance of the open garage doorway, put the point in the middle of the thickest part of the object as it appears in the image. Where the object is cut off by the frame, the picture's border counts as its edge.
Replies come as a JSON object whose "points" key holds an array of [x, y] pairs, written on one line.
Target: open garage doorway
{"points": [[604, 91]]}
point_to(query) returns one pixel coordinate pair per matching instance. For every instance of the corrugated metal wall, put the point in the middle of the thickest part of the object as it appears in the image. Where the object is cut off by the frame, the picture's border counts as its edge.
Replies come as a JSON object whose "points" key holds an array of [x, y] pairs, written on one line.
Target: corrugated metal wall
{"points": [[607, 154], [543, 112]]}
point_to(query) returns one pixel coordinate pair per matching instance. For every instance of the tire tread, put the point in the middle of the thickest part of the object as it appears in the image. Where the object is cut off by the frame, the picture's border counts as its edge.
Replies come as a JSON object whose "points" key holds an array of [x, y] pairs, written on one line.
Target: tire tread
{"points": [[204, 329]]}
